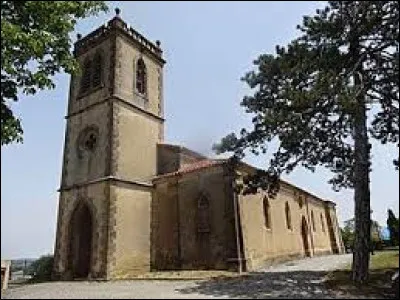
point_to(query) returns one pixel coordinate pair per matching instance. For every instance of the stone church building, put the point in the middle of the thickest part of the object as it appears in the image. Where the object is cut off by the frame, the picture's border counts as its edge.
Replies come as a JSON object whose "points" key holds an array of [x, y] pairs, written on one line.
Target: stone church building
{"points": [[130, 202]]}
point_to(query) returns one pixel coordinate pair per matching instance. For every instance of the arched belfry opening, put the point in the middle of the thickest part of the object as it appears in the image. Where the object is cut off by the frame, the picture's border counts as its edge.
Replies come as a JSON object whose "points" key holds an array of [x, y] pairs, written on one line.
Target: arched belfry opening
{"points": [[80, 241], [304, 236]]}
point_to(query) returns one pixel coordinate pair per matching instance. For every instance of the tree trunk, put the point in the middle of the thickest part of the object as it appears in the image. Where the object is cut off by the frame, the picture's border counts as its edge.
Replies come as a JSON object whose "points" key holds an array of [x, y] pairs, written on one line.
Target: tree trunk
{"points": [[361, 189]]}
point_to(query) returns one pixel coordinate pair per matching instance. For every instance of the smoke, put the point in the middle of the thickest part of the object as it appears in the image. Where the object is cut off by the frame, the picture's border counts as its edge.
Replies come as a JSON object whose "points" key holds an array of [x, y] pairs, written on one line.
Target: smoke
{"points": [[203, 143]]}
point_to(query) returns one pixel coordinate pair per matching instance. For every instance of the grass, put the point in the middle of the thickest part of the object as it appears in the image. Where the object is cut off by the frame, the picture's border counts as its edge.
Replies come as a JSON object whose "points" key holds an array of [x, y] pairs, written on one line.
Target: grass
{"points": [[385, 260], [382, 266]]}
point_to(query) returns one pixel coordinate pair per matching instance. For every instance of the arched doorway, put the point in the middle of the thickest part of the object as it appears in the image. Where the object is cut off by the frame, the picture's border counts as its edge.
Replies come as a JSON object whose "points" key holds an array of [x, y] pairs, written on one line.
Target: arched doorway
{"points": [[304, 236], [80, 242]]}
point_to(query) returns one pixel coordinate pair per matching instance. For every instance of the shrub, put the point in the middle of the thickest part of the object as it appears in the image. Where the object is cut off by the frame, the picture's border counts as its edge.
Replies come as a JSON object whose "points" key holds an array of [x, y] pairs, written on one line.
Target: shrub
{"points": [[42, 268]]}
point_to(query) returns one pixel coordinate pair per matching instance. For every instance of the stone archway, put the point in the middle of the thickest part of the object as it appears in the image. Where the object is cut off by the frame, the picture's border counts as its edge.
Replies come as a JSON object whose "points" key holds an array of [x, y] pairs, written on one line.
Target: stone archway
{"points": [[80, 241], [304, 236]]}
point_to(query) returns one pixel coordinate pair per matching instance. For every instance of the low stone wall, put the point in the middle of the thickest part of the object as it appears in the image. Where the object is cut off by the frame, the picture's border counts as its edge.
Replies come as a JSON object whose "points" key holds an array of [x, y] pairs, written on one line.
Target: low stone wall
{"points": [[5, 273]]}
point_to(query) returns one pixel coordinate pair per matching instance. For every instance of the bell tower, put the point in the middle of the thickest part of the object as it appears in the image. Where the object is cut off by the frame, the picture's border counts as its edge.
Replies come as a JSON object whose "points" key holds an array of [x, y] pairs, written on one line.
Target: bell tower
{"points": [[113, 124]]}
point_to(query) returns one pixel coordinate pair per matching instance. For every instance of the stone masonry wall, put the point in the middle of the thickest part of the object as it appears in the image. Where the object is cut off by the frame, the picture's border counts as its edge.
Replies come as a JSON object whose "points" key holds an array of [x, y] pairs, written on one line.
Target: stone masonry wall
{"points": [[96, 197]]}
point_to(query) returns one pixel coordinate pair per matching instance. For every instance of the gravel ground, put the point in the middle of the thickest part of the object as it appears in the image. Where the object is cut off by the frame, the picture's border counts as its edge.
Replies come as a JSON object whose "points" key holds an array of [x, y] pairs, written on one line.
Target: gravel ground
{"points": [[318, 263], [295, 279]]}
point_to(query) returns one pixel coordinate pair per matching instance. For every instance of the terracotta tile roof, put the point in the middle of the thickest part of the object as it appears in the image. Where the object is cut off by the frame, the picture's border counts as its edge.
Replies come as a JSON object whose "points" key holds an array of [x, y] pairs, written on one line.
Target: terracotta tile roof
{"points": [[188, 168], [206, 163]]}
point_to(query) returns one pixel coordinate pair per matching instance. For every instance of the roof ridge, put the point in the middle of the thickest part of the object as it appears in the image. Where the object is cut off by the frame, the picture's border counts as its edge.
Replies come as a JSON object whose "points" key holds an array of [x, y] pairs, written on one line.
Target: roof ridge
{"points": [[191, 167]]}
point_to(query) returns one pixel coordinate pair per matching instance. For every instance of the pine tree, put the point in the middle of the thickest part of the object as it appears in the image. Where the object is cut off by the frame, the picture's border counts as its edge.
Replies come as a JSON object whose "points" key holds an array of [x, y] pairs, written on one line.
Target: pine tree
{"points": [[393, 226], [314, 95]]}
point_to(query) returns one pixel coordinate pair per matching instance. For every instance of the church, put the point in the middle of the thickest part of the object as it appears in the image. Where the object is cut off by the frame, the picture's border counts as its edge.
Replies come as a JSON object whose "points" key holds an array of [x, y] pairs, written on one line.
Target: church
{"points": [[132, 203]]}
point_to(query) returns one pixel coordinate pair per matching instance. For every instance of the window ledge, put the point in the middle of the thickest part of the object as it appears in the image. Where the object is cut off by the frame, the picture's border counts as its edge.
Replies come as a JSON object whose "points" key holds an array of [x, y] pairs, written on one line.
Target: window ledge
{"points": [[143, 96]]}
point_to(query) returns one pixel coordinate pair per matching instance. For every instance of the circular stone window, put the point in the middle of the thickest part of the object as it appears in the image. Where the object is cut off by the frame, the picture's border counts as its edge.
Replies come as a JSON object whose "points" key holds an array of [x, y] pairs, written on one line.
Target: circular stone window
{"points": [[88, 140]]}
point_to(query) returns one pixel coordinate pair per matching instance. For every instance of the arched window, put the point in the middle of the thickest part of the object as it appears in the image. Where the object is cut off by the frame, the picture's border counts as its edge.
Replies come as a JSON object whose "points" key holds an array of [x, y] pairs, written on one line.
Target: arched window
{"points": [[267, 214], [322, 223], [203, 215], [312, 220], [301, 201], [86, 75], [141, 77], [97, 70], [288, 217]]}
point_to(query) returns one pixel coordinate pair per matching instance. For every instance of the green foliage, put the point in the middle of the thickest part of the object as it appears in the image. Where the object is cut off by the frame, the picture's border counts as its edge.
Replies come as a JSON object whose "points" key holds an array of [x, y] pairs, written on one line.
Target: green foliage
{"points": [[347, 237], [304, 96], [376, 237], [35, 45], [393, 226], [312, 98], [41, 269], [348, 234]]}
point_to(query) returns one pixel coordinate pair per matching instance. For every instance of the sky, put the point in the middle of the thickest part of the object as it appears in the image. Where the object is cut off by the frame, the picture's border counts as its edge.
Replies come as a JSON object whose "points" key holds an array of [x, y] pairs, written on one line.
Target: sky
{"points": [[208, 47]]}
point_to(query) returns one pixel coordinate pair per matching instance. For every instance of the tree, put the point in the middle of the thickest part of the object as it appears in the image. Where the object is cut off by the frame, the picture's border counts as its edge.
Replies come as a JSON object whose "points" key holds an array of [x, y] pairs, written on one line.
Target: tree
{"points": [[348, 234], [41, 269], [376, 237], [347, 237], [312, 98], [35, 45], [393, 226]]}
